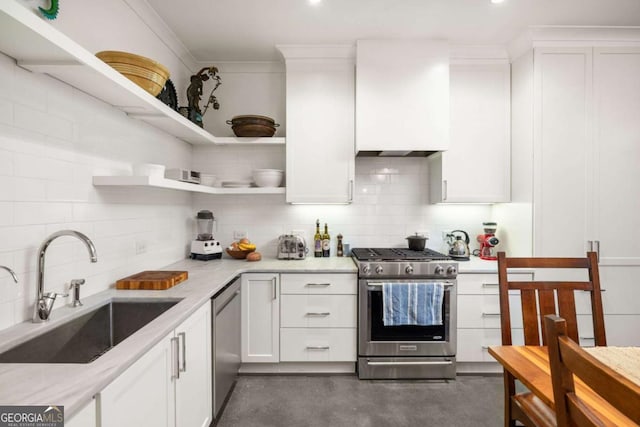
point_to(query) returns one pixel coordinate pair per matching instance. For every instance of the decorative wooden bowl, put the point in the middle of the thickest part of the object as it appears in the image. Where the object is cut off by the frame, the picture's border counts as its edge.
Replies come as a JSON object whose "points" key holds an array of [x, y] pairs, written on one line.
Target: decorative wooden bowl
{"points": [[146, 73], [239, 254], [253, 126]]}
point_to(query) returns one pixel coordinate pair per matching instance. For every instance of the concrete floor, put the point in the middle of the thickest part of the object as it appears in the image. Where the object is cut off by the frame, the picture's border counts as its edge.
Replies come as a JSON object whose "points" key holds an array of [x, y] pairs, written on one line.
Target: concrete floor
{"points": [[322, 401]]}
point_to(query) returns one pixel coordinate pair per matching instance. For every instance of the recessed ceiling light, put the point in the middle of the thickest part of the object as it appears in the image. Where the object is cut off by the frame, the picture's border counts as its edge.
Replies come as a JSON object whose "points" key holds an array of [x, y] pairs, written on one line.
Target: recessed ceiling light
{"points": [[497, 1], [315, 2]]}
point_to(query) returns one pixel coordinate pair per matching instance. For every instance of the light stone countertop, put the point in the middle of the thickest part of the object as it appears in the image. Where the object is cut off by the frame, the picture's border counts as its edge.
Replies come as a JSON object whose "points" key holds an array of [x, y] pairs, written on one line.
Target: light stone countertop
{"points": [[477, 265], [73, 385]]}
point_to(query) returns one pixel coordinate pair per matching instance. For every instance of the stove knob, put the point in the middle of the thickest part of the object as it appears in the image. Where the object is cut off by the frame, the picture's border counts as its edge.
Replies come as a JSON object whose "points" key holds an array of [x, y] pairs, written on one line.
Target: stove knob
{"points": [[409, 269], [439, 270], [379, 269], [451, 270], [366, 269]]}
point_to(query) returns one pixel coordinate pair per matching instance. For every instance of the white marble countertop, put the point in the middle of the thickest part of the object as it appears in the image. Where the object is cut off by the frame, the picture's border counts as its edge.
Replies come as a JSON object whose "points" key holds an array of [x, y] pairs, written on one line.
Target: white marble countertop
{"points": [[477, 265], [73, 385]]}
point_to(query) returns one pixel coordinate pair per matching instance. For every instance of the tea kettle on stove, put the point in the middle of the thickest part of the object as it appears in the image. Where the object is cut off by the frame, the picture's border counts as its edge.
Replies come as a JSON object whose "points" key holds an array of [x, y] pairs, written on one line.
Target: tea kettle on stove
{"points": [[458, 248]]}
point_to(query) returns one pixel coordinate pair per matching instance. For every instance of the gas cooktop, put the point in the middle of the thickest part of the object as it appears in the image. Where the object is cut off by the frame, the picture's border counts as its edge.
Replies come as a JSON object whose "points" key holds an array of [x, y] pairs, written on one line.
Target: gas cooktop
{"points": [[397, 254]]}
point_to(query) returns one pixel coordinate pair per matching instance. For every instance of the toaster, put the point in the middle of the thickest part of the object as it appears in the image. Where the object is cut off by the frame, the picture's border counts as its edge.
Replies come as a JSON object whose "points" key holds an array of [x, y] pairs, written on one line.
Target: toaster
{"points": [[292, 246]]}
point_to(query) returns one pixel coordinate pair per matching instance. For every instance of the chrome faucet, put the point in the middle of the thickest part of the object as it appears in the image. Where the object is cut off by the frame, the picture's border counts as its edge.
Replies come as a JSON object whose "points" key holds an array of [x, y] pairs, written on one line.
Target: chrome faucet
{"points": [[44, 302], [11, 272]]}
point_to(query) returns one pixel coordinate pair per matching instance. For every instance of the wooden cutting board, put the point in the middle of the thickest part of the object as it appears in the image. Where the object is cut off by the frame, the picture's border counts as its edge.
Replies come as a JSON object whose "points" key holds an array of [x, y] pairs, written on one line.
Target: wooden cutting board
{"points": [[153, 280]]}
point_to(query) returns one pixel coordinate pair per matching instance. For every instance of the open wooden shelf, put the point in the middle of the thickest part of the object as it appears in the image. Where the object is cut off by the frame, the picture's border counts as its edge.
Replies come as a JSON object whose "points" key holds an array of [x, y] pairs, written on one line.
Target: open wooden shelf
{"points": [[149, 181], [39, 47]]}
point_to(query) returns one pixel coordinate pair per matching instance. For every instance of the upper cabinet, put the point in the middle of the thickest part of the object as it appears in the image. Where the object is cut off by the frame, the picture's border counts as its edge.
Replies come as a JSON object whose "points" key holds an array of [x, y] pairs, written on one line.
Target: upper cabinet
{"points": [[402, 96], [476, 168], [320, 85]]}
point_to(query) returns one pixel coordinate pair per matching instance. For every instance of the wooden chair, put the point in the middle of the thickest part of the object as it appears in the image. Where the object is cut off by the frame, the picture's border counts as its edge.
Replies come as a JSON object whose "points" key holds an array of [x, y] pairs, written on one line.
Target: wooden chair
{"points": [[539, 298], [566, 359]]}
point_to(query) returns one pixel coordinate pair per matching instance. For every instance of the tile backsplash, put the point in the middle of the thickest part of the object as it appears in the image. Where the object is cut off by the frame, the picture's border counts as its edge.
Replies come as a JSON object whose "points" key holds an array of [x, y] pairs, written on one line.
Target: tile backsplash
{"points": [[53, 139]]}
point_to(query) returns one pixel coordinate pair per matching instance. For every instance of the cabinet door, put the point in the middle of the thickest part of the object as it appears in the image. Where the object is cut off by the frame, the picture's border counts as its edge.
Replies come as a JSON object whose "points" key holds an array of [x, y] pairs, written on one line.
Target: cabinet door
{"points": [[85, 417], [616, 184], [320, 131], [562, 137], [144, 394], [193, 387], [260, 318], [477, 166]]}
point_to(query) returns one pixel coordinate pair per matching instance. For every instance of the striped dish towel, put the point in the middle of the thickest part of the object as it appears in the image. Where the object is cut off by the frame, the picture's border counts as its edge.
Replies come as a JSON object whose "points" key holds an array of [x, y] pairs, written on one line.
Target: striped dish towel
{"points": [[418, 303]]}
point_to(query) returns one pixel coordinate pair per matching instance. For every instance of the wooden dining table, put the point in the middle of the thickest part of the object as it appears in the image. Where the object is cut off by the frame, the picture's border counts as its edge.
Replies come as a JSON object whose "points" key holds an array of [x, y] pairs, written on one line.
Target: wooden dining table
{"points": [[530, 365]]}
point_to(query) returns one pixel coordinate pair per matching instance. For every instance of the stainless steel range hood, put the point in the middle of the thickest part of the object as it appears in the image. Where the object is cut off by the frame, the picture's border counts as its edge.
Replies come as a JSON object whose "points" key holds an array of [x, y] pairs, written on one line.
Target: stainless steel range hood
{"points": [[412, 153]]}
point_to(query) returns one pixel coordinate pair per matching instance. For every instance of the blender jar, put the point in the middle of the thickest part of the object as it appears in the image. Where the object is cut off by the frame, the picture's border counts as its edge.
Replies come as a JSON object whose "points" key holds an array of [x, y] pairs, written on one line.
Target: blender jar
{"points": [[205, 225]]}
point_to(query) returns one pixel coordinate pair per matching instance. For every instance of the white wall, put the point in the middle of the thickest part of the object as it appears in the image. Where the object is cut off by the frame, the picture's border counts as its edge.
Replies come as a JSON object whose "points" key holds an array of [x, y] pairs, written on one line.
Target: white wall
{"points": [[390, 203], [53, 139]]}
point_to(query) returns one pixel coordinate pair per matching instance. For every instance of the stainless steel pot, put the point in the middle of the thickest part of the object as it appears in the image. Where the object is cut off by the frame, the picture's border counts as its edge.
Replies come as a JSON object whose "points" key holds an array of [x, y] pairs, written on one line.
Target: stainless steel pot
{"points": [[417, 242]]}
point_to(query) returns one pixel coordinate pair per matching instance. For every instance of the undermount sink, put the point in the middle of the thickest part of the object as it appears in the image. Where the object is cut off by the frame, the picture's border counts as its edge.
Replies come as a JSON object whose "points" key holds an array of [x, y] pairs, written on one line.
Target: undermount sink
{"points": [[87, 337]]}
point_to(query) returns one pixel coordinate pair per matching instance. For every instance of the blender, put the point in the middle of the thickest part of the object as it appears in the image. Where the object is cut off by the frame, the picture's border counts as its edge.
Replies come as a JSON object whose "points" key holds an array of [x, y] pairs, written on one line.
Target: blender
{"points": [[205, 247]]}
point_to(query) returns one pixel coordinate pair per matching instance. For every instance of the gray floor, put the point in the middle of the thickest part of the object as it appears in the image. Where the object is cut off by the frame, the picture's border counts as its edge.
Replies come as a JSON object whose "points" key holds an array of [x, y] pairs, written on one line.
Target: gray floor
{"points": [[336, 401]]}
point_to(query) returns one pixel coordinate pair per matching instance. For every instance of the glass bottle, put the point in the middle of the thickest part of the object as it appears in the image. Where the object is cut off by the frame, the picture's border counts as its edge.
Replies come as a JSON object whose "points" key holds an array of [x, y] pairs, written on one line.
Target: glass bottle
{"points": [[326, 242], [317, 241]]}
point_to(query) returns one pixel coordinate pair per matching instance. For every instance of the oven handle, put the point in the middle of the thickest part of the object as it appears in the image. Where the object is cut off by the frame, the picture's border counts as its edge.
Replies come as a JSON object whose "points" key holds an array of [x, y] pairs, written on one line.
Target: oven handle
{"points": [[379, 284], [408, 363]]}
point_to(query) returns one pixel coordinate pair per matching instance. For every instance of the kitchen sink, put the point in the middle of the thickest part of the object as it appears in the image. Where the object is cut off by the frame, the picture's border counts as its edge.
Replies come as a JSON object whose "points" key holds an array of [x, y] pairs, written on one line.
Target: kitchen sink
{"points": [[87, 337]]}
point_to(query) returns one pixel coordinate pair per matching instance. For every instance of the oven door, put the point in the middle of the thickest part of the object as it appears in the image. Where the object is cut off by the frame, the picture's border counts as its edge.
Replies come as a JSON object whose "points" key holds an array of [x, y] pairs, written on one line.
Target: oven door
{"points": [[375, 339]]}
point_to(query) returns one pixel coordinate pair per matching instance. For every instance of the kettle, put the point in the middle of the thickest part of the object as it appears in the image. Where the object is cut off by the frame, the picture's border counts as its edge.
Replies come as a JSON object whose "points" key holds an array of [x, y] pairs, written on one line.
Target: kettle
{"points": [[458, 248]]}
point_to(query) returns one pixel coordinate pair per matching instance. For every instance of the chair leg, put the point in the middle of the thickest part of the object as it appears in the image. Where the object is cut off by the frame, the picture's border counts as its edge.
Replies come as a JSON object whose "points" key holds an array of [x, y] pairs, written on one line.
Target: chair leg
{"points": [[509, 391]]}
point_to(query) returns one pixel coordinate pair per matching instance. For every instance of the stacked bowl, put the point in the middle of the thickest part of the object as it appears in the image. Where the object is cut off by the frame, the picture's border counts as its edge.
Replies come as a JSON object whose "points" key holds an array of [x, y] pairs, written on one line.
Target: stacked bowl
{"points": [[268, 177]]}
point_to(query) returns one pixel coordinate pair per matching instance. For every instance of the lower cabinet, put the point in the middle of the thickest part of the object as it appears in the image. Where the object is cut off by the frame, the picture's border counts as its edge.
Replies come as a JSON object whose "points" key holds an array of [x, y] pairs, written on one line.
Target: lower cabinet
{"points": [[318, 317], [479, 315], [168, 386], [260, 318], [85, 417]]}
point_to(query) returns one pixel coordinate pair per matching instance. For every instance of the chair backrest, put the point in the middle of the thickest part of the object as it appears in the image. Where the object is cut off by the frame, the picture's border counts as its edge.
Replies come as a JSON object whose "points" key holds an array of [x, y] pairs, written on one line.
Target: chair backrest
{"points": [[566, 359], [539, 298]]}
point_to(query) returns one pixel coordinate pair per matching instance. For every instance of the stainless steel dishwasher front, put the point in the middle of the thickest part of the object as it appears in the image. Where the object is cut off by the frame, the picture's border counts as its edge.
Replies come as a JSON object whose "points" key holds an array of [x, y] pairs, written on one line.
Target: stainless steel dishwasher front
{"points": [[226, 343]]}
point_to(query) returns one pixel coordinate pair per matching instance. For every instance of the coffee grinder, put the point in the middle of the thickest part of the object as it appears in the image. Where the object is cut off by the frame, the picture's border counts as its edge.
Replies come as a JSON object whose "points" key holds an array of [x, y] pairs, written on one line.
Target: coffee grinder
{"points": [[205, 247], [487, 241]]}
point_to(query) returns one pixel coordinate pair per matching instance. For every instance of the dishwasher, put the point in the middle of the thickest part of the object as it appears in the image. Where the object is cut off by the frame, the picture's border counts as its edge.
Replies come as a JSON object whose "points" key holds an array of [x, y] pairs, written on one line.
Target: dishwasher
{"points": [[226, 343]]}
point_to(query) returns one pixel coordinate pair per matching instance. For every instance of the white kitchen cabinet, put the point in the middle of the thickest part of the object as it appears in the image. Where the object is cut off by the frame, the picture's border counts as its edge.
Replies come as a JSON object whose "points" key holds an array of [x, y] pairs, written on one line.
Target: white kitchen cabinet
{"points": [[260, 318], [479, 316], [170, 385], [320, 106], [85, 417], [318, 317], [402, 95], [477, 166]]}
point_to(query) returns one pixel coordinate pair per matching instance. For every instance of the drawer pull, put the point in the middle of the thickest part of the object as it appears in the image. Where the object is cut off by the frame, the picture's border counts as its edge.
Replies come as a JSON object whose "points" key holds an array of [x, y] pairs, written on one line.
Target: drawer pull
{"points": [[485, 347], [318, 314], [490, 285], [318, 347], [318, 284], [587, 338], [484, 314]]}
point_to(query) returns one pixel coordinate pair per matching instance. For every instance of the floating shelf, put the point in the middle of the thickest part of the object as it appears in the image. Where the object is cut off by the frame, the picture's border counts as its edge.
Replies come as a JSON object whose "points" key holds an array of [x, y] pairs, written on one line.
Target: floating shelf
{"points": [[149, 181], [39, 47]]}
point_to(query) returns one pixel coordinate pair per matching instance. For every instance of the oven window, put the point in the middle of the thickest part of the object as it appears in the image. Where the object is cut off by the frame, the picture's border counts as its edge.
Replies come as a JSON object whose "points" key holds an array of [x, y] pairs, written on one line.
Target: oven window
{"points": [[379, 332]]}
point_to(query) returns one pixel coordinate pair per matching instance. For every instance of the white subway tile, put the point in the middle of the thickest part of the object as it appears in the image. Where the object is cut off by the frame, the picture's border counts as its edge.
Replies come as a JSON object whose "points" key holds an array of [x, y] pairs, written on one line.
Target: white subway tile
{"points": [[6, 112], [6, 214], [27, 213], [42, 122], [29, 189]]}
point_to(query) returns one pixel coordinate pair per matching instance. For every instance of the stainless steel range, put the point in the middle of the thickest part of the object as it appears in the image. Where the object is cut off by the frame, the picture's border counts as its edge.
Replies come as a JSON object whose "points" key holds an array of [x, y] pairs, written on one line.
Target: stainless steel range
{"points": [[404, 351]]}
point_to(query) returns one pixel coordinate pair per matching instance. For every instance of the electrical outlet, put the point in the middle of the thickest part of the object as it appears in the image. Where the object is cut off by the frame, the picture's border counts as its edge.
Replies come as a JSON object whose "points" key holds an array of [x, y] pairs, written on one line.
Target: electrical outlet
{"points": [[141, 247], [240, 234]]}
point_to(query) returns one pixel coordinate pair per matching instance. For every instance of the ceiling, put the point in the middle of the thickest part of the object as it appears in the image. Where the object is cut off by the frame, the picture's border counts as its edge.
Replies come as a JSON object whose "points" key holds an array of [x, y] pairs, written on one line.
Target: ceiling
{"points": [[248, 30]]}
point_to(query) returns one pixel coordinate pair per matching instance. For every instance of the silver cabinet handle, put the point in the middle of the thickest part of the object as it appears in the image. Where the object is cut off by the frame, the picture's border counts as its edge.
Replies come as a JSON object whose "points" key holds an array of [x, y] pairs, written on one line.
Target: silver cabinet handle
{"points": [[597, 242], [590, 244], [318, 347], [587, 338], [490, 285], [326, 313], [485, 314], [275, 288], [183, 367], [444, 189], [485, 347], [407, 363], [175, 368], [350, 190], [318, 284]]}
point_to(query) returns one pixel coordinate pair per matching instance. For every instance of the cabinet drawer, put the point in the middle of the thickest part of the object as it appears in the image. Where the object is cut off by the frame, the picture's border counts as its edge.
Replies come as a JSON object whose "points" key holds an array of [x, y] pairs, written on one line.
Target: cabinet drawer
{"points": [[482, 284], [317, 345], [473, 344], [320, 283], [483, 311], [318, 311]]}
